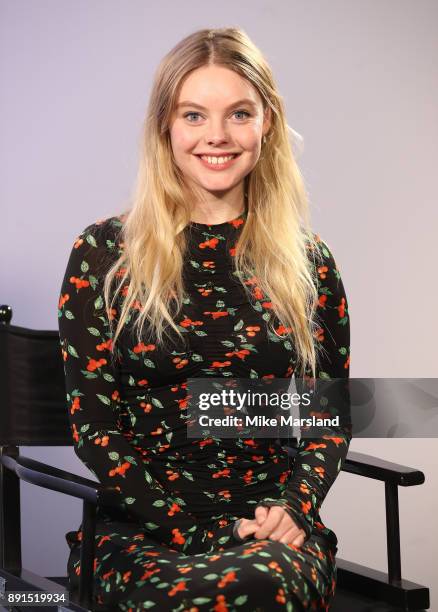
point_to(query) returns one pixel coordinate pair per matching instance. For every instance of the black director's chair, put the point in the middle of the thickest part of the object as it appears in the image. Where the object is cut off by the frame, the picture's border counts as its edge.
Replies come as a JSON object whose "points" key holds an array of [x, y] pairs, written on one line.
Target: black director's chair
{"points": [[33, 413]]}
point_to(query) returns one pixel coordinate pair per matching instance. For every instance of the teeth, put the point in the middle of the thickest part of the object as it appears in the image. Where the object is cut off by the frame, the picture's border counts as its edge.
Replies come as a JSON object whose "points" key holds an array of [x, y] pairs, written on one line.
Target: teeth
{"points": [[217, 160]]}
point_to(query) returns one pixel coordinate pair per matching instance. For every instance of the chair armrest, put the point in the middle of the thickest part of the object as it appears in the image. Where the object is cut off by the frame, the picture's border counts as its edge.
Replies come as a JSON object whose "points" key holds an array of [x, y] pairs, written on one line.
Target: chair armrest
{"points": [[379, 469], [53, 478]]}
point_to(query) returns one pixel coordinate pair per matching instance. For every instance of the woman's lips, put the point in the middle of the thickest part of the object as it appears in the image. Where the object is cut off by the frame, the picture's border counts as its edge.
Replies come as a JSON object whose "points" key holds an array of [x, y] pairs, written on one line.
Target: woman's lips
{"points": [[223, 166]]}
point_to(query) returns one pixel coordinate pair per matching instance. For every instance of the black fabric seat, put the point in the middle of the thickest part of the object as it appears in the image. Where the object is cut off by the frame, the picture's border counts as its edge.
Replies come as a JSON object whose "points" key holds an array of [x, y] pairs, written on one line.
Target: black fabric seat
{"points": [[33, 413]]}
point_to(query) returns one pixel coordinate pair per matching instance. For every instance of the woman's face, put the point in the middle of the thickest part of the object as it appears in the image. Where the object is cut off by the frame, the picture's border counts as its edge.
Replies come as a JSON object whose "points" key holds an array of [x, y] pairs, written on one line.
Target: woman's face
{"points": [[218, 114]]}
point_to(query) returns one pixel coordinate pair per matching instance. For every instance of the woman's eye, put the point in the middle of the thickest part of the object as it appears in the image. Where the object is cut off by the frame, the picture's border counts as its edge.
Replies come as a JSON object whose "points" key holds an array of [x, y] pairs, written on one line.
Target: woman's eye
{"points": [[188, 114], [238, 112]]}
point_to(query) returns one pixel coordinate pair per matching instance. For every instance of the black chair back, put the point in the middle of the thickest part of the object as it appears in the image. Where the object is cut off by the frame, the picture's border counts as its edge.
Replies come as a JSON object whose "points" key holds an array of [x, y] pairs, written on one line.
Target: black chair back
{"points": [[33, 401]]}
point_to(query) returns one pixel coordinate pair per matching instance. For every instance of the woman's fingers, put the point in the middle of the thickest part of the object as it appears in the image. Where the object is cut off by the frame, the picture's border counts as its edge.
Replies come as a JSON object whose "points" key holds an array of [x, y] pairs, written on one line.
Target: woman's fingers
{"points": [[261, 512], [299, 541], [271, 522], [289, 536], [292, 537], [286, 525], [247, 527]]}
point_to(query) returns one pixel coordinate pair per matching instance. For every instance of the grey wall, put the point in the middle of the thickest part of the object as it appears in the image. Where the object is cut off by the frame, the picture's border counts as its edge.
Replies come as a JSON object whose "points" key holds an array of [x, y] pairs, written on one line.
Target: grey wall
{"points": [[359, 80]]}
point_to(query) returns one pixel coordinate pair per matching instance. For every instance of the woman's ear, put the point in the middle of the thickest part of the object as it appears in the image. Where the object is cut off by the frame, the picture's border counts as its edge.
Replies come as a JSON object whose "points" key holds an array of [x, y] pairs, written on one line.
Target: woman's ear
{"points": [[267, 115]]}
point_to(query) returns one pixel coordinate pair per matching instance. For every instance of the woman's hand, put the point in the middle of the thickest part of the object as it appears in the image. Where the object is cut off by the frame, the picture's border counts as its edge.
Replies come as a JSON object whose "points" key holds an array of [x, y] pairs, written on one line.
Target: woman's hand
{"points": [[276, 524], [247, 527]]}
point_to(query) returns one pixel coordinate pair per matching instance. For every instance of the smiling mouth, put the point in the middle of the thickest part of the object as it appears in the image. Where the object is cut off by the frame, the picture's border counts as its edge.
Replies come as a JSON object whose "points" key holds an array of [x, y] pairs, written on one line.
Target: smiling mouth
{"points": [[218, 160]]}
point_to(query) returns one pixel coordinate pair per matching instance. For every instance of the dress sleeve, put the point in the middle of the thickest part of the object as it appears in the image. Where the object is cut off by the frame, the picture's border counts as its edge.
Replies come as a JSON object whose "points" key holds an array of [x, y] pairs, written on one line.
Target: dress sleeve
{"points": [[319, 460], [94, 396]]}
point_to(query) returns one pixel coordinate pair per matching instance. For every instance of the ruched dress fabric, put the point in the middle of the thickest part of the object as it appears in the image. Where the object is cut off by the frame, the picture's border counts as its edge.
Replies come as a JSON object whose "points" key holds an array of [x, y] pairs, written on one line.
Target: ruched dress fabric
{"points": [[171, 545]]}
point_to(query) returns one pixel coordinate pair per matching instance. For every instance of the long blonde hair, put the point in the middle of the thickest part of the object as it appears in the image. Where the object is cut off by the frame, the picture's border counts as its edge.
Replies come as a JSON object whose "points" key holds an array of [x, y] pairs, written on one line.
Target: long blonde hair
{"points": [[275, 241]]}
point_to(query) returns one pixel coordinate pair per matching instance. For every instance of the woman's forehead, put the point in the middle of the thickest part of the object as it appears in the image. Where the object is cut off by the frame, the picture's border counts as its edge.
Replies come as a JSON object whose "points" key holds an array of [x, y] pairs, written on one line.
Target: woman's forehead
{"points": [[216, 86]]}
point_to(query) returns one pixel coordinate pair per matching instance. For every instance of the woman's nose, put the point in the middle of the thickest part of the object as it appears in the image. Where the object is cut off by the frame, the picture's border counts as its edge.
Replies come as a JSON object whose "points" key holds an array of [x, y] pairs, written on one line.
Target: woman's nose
{"points": [[216, 133], [216, 140]]}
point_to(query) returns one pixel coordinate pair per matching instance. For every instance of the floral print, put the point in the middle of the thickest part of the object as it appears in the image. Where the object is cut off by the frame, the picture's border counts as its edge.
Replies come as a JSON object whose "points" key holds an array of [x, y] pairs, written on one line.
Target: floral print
{"points": [[171, 546]]}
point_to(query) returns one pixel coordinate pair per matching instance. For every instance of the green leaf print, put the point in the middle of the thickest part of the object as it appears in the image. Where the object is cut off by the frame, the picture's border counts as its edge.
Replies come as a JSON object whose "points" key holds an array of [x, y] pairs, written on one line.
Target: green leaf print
{"points": [[133, 355], [93, 331], [73, 352], [239, 601], [129, 500], [238, 325], [261, 567], [156, 402], [91, 240], [98, 303], [113, 456], [148, 363], [84, 267], [249, 347], [89, 375], [104, 399], [93, 282], [211, 577], [130, 459], [324, 375]]}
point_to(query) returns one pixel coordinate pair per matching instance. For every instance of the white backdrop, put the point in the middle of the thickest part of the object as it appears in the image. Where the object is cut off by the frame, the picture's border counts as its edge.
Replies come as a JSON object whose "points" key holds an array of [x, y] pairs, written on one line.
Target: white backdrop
{"points": [[360, 85]]}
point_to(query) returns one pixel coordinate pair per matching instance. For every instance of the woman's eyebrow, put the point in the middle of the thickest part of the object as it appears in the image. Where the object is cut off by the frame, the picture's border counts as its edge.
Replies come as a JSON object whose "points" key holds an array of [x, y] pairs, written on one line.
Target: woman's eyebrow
{"points": [[193, 104]]}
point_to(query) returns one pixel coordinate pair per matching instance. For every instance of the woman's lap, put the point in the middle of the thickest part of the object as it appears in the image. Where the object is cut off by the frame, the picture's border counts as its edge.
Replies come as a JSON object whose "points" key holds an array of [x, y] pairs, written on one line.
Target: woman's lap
{"points": [[133, 572]]}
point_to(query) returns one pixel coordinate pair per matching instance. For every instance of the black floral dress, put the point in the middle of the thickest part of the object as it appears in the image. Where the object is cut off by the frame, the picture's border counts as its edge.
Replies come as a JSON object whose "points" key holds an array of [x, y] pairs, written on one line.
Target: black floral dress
{"points": [[171, 546]]}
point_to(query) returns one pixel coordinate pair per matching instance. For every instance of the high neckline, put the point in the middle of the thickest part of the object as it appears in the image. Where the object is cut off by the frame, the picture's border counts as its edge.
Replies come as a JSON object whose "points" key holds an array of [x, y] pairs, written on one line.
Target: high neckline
{"points": [[235, 222]]}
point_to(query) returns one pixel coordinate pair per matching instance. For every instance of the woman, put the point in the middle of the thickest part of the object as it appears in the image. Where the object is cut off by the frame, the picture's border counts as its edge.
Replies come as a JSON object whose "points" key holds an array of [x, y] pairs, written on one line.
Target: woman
{"points": [[213, 272]]}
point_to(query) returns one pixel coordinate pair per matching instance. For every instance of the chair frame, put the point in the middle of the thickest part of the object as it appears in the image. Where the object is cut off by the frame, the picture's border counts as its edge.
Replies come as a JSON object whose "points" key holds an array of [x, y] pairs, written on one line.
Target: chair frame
{"points": [[388, 586]]}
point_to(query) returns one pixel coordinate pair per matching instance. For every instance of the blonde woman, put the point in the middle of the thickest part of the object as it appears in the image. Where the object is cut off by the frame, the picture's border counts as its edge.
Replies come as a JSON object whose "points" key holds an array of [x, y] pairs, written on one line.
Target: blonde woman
{"points": [[213, 271]]}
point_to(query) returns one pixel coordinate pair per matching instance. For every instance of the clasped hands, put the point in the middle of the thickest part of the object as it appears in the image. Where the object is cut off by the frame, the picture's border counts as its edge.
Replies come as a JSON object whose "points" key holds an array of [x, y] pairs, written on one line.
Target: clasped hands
{"points": [[272, 523]]}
